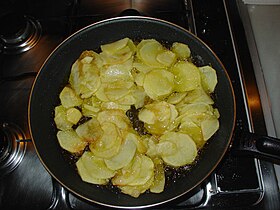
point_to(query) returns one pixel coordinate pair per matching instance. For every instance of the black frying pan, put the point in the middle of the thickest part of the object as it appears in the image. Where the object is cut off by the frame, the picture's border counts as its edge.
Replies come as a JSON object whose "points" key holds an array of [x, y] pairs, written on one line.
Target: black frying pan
{"points": [[54, 75]]}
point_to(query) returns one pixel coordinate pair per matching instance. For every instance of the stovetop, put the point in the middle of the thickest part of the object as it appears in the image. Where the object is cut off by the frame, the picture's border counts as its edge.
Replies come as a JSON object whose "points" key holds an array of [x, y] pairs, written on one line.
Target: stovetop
{"points": [[238, 182]]}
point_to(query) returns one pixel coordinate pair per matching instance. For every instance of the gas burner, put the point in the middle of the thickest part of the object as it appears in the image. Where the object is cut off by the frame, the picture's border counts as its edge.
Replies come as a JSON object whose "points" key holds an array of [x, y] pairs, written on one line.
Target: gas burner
{"points": [[18, 33], [12, 147]]}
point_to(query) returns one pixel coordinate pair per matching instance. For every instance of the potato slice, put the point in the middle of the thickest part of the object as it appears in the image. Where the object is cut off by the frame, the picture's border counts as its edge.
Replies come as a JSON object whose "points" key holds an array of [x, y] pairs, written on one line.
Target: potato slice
{"points": [[84, 78], [186, 149], [176, 97], [158, 116], [125, 155], [115, 116], [109, 143], [198, 96], [60, 118], [87, 176], [208, 78], [159, 177], [146, 171], [193, 130], [148, 52], [69, 98], [117, 72], [209, 127], [90, 131], [158, 83], [136, 191], [127, 174], [181, 50], [166, 148], [167, 58], [73, 115], [70, 141], [113, 47], [187, 76], [95, 166]]}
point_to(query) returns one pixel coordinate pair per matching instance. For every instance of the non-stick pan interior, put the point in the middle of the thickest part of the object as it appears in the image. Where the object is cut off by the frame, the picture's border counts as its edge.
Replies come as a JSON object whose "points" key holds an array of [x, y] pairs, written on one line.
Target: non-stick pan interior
{"points": [[54, 75]]}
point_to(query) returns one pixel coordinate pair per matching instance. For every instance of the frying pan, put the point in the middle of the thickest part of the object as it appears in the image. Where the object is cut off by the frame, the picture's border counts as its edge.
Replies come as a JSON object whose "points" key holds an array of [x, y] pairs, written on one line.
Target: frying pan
{"points": [[54, 74]]}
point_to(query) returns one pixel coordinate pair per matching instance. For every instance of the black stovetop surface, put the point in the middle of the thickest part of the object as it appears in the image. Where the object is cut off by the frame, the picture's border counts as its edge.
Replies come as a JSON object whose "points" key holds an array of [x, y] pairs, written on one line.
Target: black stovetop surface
{"points": [[238, 182]]}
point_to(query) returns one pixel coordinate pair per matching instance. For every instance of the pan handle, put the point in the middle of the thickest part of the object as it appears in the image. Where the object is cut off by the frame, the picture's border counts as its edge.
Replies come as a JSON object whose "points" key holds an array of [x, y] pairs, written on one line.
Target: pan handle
{"points": [[259, 146]]}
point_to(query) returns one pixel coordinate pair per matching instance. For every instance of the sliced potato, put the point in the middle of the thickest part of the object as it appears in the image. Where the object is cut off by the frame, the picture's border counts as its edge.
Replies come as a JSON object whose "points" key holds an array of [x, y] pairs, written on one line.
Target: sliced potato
{"points": [[208, 78], [95, 166], [159, 177], [186, 149], [125, 155], [73, 115], [127, 174], [167, 58], [146, 171], [90, 131], [109, 143], [148, 51], [70, 141], [181, 50], [209, 127], [187, 76], [69, 98], [136, 190], [113, 47], [158, 83], [60, 118], [87, 176]]}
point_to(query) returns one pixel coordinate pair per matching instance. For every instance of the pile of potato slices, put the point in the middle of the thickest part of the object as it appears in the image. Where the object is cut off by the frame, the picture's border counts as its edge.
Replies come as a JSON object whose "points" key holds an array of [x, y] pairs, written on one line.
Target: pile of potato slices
{"points": [[172, 97]]}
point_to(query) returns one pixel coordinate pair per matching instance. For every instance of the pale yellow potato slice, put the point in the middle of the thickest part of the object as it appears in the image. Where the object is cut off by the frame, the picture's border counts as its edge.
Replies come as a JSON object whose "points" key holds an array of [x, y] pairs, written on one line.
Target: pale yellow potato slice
{"points": [[181, 50], [100, 93], [117, 58], [197, 96], [73, 115], [208, 78], [136, 191], [60, 118], [91, 106], [69, 98], [166, 148], [193, 130], [109, 143], [96, 166], [148, 52], [209, 127], [90, 131], [84, 78], [87, 176], [147, 116], [158, 116], [167, 58], [113, 47], [175, 97], [117, 72], [127, 174], [186, 149], [158, 83], [146, 171], [139, 142], [115, 116], [159, 177], [89, 56], [125, 155], [70, 141], [187, 76]]}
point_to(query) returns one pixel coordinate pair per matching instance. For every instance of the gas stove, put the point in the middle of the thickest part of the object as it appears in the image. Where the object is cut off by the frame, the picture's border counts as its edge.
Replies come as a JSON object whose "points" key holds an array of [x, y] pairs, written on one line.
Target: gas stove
{"points": [[30, 31]]}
